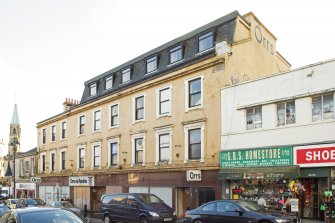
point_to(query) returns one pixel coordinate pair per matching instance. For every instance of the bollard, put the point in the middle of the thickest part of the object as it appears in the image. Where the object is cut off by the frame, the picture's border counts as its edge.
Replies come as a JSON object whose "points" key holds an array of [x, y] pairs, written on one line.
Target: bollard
{"points": [[85, 211]]}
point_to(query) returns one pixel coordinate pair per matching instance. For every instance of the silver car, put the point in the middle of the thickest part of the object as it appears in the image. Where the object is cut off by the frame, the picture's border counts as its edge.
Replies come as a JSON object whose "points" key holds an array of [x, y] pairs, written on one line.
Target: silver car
{"points": [[64, 204]]}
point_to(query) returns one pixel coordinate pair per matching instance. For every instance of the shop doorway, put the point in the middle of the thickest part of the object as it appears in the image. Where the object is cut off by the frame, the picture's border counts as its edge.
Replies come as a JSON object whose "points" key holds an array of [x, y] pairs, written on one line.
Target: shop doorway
{"points": [[311, 198], [96, 193], [192, 197]]}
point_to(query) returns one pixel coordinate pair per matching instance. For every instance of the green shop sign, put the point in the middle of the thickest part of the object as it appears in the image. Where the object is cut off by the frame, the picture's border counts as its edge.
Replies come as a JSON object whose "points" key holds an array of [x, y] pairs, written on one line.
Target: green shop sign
{"points": [[280, 156]]}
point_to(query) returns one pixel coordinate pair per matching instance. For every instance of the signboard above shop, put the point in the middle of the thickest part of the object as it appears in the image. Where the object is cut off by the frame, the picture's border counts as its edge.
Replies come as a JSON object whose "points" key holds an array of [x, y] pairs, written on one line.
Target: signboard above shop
{"points": [[260, 157], [314, 155], [81, 181]]}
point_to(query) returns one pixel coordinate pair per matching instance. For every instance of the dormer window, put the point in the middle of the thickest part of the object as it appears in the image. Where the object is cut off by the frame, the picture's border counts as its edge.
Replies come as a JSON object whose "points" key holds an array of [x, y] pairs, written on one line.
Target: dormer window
{"points": [[206, 41], [126, 74], [151, 64], [93, 89], [108, 82], [176, 54]]}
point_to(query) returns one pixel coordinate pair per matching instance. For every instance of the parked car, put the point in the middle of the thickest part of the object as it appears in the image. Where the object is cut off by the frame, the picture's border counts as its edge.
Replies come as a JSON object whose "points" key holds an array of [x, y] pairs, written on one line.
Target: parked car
{"points": [[235, 211], [3, 208], [11, 203], [41, 215], [135, 208], [29, 202], [64, 204]]}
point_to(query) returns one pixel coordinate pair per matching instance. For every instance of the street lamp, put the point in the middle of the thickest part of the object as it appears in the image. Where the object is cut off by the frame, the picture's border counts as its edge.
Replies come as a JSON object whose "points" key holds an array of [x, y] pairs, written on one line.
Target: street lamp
{"points": [[14, 143]]}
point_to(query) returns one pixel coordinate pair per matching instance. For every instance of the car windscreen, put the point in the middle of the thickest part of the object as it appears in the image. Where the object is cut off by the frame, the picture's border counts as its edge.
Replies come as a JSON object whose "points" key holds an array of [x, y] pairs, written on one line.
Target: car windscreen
{"points": [[248, 205], [149, 199], [50, 216]]}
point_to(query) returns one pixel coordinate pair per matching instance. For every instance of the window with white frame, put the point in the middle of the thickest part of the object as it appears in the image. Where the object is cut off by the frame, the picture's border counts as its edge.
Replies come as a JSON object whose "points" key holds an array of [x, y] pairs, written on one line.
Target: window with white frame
{"points": [[126, 75], [82, 123], [113, 152], [138, 149], [53, 133], [286, 113], [254, 117], [97, 121], [96, 156], [176, 54], [81, 158], [205, 41], [114, 115], [194, 142], [43, 166], [63, 134], [164, 101], [32, 161], [108, 82], [323, 107], [93, 89], [139, 108], [53, 162], [151, 64], [163, 145], [21, 167], [44, 135], [26, 167], [194, 93], [63, 160]]}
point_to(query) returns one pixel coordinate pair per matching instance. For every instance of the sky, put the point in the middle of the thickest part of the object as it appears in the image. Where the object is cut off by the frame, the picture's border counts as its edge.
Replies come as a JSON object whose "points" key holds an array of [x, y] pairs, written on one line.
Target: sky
{"points": [[49, 48]]}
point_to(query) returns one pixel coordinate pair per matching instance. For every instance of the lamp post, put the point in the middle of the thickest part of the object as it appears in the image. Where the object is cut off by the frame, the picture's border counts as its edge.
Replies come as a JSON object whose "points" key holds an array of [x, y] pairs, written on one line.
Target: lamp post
{"points": [[15, 142]]}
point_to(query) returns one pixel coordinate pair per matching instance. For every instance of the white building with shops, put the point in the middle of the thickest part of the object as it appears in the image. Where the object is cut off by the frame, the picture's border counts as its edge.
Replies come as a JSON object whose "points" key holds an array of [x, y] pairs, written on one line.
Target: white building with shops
{"points": [[280, 123]]}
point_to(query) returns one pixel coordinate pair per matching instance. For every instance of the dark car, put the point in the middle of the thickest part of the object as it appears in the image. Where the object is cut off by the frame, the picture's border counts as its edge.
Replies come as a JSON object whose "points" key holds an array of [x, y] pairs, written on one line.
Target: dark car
{"points": [[135, 208], [236, 211], [29, 202], [41, 215]]}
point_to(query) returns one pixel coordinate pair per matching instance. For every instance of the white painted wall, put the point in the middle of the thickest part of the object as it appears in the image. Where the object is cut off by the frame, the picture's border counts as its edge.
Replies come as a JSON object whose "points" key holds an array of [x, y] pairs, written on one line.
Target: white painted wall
{"points": [[299, 84]]}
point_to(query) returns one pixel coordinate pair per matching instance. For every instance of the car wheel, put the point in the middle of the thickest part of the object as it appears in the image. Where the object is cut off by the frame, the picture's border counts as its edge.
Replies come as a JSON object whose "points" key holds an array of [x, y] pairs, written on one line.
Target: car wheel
{"points": [[107, 219], [143, 220], [197, 221]]}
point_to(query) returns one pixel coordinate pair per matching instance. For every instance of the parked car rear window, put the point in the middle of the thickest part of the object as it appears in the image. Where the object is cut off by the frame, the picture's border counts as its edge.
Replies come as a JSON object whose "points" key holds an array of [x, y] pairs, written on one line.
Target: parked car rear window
{"points": [[209, 207]]}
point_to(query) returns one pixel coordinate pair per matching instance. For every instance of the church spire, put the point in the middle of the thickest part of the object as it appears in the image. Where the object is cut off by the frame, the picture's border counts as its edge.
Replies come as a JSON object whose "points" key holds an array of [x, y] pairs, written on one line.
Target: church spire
{"points": [[14, 132], [15, 117]]}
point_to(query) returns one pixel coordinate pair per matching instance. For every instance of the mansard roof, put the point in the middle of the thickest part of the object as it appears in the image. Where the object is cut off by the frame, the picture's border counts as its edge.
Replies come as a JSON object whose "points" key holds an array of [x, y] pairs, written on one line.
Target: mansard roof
{"points": [[222, 28]]}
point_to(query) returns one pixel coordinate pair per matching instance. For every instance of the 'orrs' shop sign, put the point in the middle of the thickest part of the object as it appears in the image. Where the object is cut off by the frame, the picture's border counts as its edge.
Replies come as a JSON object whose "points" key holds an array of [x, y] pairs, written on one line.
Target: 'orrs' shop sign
{"points": [[279, 156], [81, 181]]}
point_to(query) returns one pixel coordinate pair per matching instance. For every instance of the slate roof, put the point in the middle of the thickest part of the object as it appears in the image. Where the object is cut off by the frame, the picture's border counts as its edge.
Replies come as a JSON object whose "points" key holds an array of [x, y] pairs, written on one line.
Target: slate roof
{"points": [[223, 29]]}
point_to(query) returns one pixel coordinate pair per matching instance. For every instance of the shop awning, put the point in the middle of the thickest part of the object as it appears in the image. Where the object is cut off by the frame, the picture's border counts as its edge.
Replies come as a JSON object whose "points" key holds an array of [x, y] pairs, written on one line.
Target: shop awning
{"points": [[271, 172]]}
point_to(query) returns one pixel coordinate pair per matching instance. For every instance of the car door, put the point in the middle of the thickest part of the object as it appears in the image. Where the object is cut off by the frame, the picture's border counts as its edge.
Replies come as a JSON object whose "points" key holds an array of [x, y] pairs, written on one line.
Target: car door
{"points": [[131, 210], [228, 211], [207, 213]]}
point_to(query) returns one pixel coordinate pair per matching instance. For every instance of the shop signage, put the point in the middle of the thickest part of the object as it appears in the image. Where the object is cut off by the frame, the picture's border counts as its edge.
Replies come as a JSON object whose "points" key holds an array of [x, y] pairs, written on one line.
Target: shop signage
{"points": [[81, 181], [279, 156], [193, 175], [254, 176], [264, 41], [314, 155], [35, 179], [25, 186]]}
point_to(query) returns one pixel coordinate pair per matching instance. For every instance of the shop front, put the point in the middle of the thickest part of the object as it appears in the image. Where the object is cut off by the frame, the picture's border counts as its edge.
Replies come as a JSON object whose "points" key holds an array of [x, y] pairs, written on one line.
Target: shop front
{"points": [[25, 190], [254, 173], [53, 188], [316, 162], [182, 190]]}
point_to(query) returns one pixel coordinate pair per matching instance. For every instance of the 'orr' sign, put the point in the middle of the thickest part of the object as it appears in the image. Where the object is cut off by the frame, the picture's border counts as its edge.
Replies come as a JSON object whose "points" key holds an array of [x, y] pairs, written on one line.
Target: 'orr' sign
{"points": [[314, 155], [193, 175]]}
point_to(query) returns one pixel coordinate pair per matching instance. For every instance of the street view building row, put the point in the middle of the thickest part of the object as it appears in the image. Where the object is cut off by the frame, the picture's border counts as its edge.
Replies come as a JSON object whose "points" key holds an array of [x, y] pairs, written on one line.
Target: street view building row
{"points": [[213, 114]]}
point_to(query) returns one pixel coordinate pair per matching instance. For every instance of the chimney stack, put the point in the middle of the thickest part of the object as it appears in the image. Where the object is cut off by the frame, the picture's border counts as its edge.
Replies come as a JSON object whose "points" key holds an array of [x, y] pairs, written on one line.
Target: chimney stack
{"points": [[69, 103]]}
